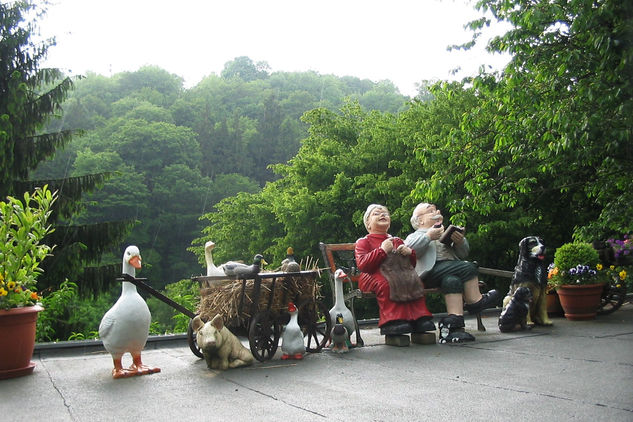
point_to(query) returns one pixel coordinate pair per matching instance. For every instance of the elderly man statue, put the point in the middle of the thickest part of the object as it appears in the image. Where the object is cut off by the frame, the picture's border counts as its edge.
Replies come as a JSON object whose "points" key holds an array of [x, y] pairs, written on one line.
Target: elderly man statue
{"points": [[442, 265]]}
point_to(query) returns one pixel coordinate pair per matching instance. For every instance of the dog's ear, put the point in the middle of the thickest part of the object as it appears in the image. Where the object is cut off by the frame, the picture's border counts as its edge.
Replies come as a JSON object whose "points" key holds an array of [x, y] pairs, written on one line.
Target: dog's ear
{"points": [[523, 246]]}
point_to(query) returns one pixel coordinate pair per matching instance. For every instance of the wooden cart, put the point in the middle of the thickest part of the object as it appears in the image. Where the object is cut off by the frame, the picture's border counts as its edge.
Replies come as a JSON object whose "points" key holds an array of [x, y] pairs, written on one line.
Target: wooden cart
{"points": [[258, 308]]}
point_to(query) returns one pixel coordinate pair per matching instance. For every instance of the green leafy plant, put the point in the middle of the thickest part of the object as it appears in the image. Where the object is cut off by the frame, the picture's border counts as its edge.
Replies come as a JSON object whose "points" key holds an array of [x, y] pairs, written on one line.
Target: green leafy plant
{"points": [[576, 263], [23, 225]]}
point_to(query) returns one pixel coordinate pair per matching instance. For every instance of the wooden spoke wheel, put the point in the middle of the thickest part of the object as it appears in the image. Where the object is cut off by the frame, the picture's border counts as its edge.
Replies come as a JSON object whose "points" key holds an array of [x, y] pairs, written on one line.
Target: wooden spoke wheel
{"points": [[263, 335], [314, 320], [193, 340], [612, 298]]}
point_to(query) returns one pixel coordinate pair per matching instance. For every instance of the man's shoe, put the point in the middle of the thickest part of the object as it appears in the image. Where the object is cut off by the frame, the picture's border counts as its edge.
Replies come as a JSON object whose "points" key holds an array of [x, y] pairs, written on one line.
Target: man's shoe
{"points": [[424, 324], [394, 328], [488, 300], [456, 337], [452, 330]]}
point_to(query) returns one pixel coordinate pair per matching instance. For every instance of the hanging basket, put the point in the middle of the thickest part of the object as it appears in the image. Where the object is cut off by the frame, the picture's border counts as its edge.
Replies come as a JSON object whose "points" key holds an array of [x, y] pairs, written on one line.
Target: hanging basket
{"points": [[17, 340], [580, 302]]}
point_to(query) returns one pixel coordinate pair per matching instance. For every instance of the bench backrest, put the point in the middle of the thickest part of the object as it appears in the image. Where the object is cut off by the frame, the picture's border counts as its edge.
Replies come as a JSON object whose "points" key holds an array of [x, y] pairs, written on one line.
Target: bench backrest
{"points": [[340, 255]]}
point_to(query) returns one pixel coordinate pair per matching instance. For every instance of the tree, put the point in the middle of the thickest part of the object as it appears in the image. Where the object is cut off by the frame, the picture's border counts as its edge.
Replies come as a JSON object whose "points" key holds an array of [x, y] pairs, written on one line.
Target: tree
{"points": [[30, 97], [243, 67], [565, 109]]}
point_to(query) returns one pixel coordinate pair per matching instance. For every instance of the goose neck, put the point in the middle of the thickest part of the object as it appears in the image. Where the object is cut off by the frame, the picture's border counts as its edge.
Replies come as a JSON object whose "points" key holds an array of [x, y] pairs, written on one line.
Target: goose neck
{"points": [[338, 291]]}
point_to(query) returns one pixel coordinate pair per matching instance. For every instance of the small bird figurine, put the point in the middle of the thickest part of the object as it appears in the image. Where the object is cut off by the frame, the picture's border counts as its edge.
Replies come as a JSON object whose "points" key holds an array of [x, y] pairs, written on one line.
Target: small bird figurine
{"points": [[292, 338], [339, 303], [125, 327], [290, 265], [239, 269], [340, 338], [212, 270]]}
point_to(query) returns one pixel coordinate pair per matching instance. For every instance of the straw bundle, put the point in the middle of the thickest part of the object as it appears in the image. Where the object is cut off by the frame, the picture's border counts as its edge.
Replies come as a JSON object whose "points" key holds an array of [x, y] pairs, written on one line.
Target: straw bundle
{"points": [[226, 298]]}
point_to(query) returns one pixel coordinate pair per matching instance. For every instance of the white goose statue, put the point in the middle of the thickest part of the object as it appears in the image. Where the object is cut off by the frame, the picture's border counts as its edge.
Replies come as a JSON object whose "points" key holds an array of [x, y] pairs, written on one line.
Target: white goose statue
{"points": [[208, 256], [292, 346], [339, 304], [125, 327]]}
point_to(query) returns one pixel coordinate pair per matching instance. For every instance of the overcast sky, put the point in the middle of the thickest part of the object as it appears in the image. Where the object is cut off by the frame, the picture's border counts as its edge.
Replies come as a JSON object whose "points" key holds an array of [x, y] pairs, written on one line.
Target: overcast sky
{"points": [[401, 40]]}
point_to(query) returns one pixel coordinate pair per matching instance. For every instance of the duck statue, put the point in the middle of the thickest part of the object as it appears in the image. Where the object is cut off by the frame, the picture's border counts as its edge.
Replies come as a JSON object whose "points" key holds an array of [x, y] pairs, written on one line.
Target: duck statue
{"points": [[239, 269], [292, 346], [212, 270], [339, 304], [125, 327], [339, 336], [290, 265]]}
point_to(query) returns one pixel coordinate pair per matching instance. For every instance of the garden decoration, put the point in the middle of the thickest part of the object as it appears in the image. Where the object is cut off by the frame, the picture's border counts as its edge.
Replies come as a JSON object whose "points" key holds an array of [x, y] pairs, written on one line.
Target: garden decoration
{"points": [[220, 347], [239, 269], [292, 338], [23, 225], [579, 279], [212, 270], [340, 336], [339, 303], [515, 313], [125, 327], [531, 272]]}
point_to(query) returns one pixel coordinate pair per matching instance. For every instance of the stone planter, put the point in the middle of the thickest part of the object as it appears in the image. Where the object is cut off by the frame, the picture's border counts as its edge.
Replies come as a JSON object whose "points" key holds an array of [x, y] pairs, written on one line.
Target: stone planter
{"points": [[17, 340], [580, 302]]}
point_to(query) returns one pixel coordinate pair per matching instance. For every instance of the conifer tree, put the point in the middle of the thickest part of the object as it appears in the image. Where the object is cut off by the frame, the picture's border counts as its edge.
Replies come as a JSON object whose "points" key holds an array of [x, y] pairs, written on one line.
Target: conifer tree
{"points": [[30, 97]]}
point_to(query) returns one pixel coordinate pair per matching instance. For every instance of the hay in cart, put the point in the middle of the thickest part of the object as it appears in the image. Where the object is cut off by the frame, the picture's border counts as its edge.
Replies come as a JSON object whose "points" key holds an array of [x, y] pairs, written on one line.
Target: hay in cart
{"points": [[234, 298]]}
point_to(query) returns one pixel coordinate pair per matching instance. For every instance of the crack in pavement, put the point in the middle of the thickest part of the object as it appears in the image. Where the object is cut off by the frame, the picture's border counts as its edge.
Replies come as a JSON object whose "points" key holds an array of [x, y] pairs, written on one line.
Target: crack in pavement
{"points": [[553, 396], [274, 398], [50, 377]]}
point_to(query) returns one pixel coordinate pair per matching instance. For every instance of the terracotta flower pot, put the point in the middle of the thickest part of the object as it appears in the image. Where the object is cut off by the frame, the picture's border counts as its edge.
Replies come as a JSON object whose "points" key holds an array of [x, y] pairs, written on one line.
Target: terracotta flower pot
{"points": [[553, 303], [17, 340], [580, 302]]}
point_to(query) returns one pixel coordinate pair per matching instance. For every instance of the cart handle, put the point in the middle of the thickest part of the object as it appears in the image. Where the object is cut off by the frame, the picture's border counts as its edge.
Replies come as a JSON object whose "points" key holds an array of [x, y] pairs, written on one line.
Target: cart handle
{"points": [[140, 282]]}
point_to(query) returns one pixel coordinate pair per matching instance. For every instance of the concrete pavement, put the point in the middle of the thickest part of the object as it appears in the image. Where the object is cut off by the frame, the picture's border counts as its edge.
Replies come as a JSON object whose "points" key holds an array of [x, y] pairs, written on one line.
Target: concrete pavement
{"points": [[581, 371]]}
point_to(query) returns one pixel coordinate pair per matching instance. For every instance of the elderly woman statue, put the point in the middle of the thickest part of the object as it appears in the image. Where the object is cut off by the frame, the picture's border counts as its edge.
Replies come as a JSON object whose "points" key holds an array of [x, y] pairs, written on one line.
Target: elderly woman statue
{"points": [[442, 265], [372, 253]]}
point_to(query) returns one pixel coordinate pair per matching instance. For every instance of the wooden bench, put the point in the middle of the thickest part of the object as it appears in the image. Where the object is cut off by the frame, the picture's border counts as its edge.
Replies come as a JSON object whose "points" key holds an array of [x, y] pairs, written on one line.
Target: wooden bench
{"points": [[341, 255]]}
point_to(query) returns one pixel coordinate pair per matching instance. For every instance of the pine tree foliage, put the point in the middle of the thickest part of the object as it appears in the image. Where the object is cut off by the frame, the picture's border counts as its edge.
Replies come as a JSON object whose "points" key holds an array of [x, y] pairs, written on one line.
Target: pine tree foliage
{"points": [[30, 98]]}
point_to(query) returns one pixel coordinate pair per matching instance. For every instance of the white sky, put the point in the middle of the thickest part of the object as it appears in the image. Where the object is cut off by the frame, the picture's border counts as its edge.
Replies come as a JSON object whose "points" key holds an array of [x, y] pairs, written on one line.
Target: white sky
{"points": [[401, 40]]}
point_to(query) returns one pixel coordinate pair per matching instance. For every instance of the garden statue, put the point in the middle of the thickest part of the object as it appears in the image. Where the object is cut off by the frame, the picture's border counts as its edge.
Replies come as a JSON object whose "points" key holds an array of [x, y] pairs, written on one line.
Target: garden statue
{"points": [[125, 327], [220, 347]]}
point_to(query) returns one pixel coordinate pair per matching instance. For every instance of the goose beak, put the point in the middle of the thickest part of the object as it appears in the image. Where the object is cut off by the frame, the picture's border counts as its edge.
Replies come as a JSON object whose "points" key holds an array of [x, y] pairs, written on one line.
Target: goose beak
{"points": [[135, 261]]}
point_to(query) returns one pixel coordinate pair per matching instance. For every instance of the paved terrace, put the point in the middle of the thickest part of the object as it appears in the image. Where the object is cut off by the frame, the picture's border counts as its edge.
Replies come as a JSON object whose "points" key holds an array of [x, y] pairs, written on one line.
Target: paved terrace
{"points": [[581, 371]]}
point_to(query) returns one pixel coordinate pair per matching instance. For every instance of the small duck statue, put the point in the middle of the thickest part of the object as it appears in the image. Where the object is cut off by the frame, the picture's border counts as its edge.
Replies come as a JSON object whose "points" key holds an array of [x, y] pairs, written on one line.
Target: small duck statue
{"points": [[125, 327], [292, 345], [290, 264], [239, 269], [340, 338], [339, 303]]}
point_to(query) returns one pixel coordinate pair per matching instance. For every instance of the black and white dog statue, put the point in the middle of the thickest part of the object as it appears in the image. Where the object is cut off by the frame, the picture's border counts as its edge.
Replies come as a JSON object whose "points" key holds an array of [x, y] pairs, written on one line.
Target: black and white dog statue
{"points": [[514, 314], [531, 272]]}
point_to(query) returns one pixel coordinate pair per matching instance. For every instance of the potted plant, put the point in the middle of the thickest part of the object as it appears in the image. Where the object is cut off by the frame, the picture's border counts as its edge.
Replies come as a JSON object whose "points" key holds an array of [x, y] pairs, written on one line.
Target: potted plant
{"points": [[23, 225], [579, 280], [622, 250]]}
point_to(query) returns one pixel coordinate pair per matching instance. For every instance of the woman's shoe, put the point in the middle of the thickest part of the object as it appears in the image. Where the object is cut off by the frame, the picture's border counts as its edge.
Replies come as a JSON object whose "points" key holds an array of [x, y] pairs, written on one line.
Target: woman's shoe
{"points": [[397, 327]]}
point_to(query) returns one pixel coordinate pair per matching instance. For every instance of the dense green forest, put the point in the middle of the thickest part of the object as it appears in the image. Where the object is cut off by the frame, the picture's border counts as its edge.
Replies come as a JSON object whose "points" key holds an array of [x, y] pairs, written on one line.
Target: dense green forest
{"points": [[259, 161], [175, 153]]}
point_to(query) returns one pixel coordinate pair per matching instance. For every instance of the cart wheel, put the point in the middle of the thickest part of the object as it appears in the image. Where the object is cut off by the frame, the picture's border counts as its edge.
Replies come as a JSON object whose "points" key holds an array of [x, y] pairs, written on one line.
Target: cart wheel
{"points": [[193, 341], [612, 298], [263, 336], [314, 320]]}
